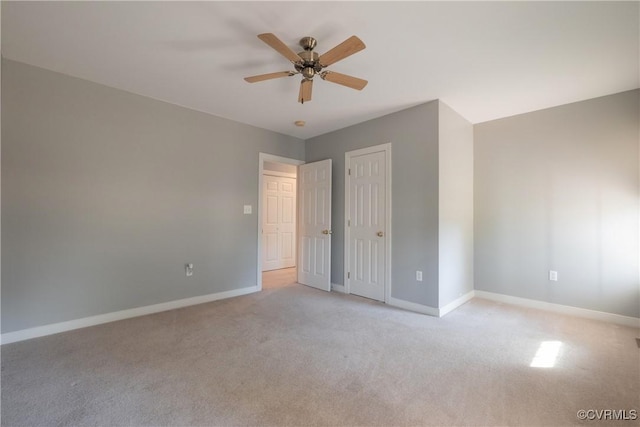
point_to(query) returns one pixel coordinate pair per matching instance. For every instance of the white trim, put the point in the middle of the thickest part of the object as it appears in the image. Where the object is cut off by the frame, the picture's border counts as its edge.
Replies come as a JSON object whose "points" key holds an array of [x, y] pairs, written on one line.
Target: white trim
{"points": [[455, 303], [389, 186], [281, 174], [431, 311], [345, 248], [412, 306], [56, 328], [265, 157], [388, 203], [338, 288], [562, 309]]}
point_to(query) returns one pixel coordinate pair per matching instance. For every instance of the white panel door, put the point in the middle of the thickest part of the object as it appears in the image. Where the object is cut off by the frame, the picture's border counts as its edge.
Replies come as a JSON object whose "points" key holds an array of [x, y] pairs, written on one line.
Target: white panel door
{"points": [[278, 223], [314, 215], [367, 223]]}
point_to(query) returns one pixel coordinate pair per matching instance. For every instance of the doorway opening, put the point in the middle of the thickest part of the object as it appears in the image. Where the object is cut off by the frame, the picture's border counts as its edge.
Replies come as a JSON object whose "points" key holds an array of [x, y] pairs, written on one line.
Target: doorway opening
{"points": [[275, 279], [277, 221], [313, 222]]}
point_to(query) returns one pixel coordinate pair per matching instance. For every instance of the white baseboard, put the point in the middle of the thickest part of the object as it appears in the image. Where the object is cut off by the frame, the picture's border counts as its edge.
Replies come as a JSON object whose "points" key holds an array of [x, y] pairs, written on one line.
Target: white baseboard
{"points": [[55, 328], [563, 309], [455, 303], [431, 311], [412, 306], [338, 288]]}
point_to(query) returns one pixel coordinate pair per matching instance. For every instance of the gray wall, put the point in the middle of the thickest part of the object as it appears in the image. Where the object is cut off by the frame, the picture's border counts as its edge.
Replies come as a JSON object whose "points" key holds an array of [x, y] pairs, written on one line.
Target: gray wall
{"points": [[455, 205], [107, 194], [557, 189], [0, 161], [413, 134]]}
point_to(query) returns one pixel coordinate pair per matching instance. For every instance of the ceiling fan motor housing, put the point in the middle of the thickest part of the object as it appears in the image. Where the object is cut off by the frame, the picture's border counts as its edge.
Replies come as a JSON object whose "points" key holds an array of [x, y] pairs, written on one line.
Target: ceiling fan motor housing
{"points": [[309, 65]]}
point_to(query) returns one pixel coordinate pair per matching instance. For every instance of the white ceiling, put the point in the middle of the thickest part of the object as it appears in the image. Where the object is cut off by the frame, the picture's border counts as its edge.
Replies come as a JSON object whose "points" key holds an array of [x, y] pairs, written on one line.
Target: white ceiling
{"points": [[485, 60]]}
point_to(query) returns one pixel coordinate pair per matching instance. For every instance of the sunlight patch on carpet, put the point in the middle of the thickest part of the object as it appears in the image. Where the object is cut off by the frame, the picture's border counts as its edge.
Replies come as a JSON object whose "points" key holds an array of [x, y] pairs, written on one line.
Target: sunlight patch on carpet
{"points": [[546, 355]]}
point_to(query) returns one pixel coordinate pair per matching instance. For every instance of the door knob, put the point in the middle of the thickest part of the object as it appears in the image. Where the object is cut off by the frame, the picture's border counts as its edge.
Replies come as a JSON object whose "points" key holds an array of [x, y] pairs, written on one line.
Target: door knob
{"points": [[380, 233], [326, 231]]}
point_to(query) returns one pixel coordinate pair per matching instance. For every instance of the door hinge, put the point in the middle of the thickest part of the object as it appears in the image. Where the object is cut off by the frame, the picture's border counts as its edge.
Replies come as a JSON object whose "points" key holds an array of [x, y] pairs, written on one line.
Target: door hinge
{"points": [[348, 223], [348, 275], [349, 171]]}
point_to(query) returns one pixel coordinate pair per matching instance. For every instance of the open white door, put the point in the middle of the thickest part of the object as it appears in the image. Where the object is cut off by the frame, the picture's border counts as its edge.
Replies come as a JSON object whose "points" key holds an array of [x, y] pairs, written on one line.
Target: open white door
{"points": [[314, 219]]}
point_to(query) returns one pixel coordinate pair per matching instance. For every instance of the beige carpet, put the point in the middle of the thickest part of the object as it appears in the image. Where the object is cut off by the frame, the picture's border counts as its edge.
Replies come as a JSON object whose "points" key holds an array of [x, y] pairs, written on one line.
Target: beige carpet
{"points": [[292, 355]]}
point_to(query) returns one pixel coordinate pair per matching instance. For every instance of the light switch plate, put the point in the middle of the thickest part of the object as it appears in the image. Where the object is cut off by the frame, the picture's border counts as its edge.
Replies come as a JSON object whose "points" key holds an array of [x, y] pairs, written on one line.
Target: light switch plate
{"points": [[553, 276], [247, 209]]}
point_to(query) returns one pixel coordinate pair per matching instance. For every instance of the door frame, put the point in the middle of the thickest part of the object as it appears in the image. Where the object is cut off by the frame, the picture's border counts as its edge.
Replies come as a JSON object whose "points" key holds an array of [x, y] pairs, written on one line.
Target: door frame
{"points": [[265, 157], [347, 181]]}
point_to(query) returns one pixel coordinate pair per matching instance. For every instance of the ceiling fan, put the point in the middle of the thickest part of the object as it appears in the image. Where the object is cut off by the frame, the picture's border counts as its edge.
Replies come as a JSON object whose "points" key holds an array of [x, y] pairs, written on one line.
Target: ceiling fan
{"points": [[309, 63]]}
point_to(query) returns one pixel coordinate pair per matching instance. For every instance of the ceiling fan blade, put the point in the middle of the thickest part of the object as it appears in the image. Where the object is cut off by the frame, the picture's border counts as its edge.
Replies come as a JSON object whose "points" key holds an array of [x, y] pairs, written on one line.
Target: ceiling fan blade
{"points": [[261, 77], [344, 80], [347, 48], [280, 47], [305, 91]]}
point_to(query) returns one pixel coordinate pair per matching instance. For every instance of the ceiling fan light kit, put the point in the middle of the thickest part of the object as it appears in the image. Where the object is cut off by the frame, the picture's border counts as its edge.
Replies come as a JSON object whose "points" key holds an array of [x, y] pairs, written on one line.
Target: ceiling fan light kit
{"points": [[309, 64]]}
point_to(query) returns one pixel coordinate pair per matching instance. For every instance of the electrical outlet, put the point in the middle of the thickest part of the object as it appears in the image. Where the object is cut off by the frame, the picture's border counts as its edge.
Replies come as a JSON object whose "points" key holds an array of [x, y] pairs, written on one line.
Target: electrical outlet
{"points": [[188, 270], [553, 276], [419, 276]]}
